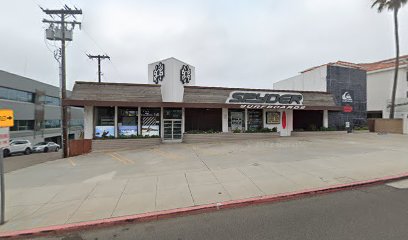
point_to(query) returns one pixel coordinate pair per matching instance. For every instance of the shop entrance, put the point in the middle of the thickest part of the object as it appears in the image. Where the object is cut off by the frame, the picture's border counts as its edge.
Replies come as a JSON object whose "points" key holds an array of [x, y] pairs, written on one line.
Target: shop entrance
{"points": [[203, 119], [172, 122]]}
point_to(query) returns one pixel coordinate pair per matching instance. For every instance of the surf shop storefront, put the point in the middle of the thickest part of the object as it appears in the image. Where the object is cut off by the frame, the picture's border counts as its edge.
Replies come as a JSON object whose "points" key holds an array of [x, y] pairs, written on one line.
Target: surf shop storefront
{"points": [[170, 105], [116, 110]]}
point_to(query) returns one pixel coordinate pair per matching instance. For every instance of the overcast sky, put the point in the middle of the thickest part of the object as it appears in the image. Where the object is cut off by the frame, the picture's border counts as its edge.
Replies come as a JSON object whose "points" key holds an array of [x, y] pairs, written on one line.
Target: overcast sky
{"points": [[233, 43]]}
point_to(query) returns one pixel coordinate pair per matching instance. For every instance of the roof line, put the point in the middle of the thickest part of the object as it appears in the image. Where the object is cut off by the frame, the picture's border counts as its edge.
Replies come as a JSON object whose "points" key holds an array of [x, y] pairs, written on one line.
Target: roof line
{"points": [[115, 83], [254, 89]]}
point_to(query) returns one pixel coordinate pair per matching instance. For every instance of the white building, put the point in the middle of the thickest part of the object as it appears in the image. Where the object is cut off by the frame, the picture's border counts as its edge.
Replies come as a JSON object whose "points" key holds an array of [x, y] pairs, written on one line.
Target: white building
{"points": [[380, 79]]}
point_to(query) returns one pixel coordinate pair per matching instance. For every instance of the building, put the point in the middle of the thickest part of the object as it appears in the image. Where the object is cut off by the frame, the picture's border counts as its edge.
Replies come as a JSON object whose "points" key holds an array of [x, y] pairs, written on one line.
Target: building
{"points": [[380, 80], [171, 104], [347, 82], [37, 110]]}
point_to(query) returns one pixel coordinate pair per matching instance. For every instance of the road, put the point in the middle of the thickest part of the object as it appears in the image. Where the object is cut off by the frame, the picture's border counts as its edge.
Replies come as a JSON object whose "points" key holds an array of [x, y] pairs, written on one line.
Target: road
{"points": [[379, 212], [20, 161]]}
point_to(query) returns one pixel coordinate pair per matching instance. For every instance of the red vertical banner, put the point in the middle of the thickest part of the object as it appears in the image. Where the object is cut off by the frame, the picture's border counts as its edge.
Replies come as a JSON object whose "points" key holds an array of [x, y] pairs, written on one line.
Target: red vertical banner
{"points": [[284, 120]]}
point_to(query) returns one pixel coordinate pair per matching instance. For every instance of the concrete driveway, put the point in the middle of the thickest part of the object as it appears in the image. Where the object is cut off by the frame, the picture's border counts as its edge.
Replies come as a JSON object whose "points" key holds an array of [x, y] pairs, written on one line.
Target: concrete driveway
{"points": [[104, 185]]}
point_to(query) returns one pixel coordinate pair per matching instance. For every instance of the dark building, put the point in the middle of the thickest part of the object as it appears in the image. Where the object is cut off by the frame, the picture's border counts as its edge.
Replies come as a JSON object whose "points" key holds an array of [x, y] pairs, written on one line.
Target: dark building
{"points": [[347, 82], [349, 89]]}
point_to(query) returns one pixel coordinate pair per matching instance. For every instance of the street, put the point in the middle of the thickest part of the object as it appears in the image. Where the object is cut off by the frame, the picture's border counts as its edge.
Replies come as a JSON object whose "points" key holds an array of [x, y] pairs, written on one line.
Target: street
{"points": [[20, 161], [378, 212]]}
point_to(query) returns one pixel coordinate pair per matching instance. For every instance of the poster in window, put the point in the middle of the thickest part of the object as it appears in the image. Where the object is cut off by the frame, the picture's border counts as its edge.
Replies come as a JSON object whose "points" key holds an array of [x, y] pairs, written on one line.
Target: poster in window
{"points": [[272, 117], [127, 130], [236, 120], [150, 122], [104, 131]]}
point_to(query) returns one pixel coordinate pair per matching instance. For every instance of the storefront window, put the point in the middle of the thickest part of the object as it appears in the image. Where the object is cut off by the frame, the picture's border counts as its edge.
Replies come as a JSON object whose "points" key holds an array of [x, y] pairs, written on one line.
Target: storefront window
{"points": [[22, 125], [236, 119], [127, 122], [105, 122], [255, 119], [272, 117], [150, 121]]}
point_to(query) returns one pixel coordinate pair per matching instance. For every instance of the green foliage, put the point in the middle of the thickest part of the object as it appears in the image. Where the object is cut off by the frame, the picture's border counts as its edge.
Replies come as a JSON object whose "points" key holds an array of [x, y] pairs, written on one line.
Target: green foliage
{"points": [[262, 130], [128, 137], [361, 128], [211, 131], [236, 130]]}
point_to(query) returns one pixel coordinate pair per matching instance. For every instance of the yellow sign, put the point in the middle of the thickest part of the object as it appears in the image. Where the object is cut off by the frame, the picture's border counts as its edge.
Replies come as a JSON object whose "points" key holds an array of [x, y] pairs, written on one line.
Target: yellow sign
{"points": [[6, 118]]}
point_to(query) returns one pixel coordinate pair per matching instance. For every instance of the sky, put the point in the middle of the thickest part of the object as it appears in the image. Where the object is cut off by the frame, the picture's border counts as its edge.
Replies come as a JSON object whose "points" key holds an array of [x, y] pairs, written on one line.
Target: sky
{"points": [[232, 43]]}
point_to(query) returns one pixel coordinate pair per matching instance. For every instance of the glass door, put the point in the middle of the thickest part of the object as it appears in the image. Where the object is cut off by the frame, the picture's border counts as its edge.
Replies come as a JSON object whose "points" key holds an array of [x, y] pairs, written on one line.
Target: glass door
{"points": [[172, 124]]}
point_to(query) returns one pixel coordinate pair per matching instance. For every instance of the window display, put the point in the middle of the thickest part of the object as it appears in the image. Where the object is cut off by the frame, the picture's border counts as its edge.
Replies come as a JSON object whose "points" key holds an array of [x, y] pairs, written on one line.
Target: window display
{"points": [[127, 122], [150, 122], [105, 122], [236, 120], [272, 117], [254, 119]]}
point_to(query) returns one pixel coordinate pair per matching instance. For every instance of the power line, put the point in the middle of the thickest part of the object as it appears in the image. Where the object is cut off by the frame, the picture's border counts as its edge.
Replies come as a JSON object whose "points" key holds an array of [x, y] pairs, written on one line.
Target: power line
{"points": [[62, 33], [99, 57]]}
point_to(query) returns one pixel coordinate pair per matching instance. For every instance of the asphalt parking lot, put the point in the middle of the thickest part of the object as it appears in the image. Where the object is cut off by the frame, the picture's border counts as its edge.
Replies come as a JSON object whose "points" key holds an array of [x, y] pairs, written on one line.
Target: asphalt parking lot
{"points": [[20, 161]]}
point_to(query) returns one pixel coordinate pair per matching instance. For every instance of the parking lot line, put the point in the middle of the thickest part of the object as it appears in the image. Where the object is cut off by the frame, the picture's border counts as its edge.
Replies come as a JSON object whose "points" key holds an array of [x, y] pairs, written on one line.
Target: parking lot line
{"points": [[118, 159], [123, 158]]}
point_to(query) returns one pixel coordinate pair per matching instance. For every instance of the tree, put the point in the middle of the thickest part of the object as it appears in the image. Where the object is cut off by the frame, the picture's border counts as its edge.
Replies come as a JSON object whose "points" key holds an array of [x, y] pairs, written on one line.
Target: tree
{"points": [[395, 6]]}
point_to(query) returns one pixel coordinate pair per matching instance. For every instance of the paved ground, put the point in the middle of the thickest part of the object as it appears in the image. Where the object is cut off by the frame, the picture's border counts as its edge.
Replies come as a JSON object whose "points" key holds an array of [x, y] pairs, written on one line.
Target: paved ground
{"points": [[374, 213], [20, 161], [104, 185]]}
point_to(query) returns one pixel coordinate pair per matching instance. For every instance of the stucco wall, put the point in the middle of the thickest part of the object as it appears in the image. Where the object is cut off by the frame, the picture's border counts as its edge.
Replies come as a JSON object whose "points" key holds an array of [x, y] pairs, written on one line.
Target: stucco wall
{"points": [[379, 90], [314, 80], [171, 87]]}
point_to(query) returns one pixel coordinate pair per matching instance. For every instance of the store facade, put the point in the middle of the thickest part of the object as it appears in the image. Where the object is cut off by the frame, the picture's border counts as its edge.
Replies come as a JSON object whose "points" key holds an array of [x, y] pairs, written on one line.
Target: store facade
{"points": [[170, 105]]}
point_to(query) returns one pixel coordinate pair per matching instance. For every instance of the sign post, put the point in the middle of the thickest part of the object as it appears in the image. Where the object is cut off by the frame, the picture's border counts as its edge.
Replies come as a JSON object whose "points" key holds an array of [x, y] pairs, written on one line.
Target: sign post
{"points": [[6, 121], [4, 141]]}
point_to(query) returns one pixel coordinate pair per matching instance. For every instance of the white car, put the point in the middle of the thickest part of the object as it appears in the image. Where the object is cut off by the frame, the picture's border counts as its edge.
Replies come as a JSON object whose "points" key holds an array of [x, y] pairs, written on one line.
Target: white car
{"points": [[46, 147], [18, 146]]}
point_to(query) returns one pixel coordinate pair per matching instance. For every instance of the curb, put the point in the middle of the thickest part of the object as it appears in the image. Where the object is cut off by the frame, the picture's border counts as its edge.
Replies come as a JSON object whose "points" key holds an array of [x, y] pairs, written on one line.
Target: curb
{"points": [[144, 217]]}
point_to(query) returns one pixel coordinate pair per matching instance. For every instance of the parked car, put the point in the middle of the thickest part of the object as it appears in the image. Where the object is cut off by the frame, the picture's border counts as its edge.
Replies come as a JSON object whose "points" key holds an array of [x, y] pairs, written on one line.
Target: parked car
{"points": [[18, 146], [46, 147]]}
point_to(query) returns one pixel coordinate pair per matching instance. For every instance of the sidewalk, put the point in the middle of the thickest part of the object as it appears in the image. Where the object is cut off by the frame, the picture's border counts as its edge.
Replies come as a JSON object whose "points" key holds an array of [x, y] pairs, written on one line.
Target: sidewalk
{"points": [[105, 185]]}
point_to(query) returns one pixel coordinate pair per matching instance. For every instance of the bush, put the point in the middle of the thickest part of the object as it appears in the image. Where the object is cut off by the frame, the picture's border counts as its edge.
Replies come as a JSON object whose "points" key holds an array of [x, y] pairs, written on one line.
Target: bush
{"points": [[135, 137], [361, 128], [236, 130], [211, 131], [324, 129], [261, 130]]}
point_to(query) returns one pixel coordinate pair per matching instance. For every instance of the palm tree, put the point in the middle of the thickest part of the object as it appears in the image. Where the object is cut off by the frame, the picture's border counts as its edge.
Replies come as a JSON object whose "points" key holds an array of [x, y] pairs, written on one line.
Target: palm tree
{"points": [[395, 6]]}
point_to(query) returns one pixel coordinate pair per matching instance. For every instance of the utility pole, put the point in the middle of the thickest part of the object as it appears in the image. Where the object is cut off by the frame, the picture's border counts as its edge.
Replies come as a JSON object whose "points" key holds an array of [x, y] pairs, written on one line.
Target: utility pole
{"points": [[58, 31], [99, 57]]}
